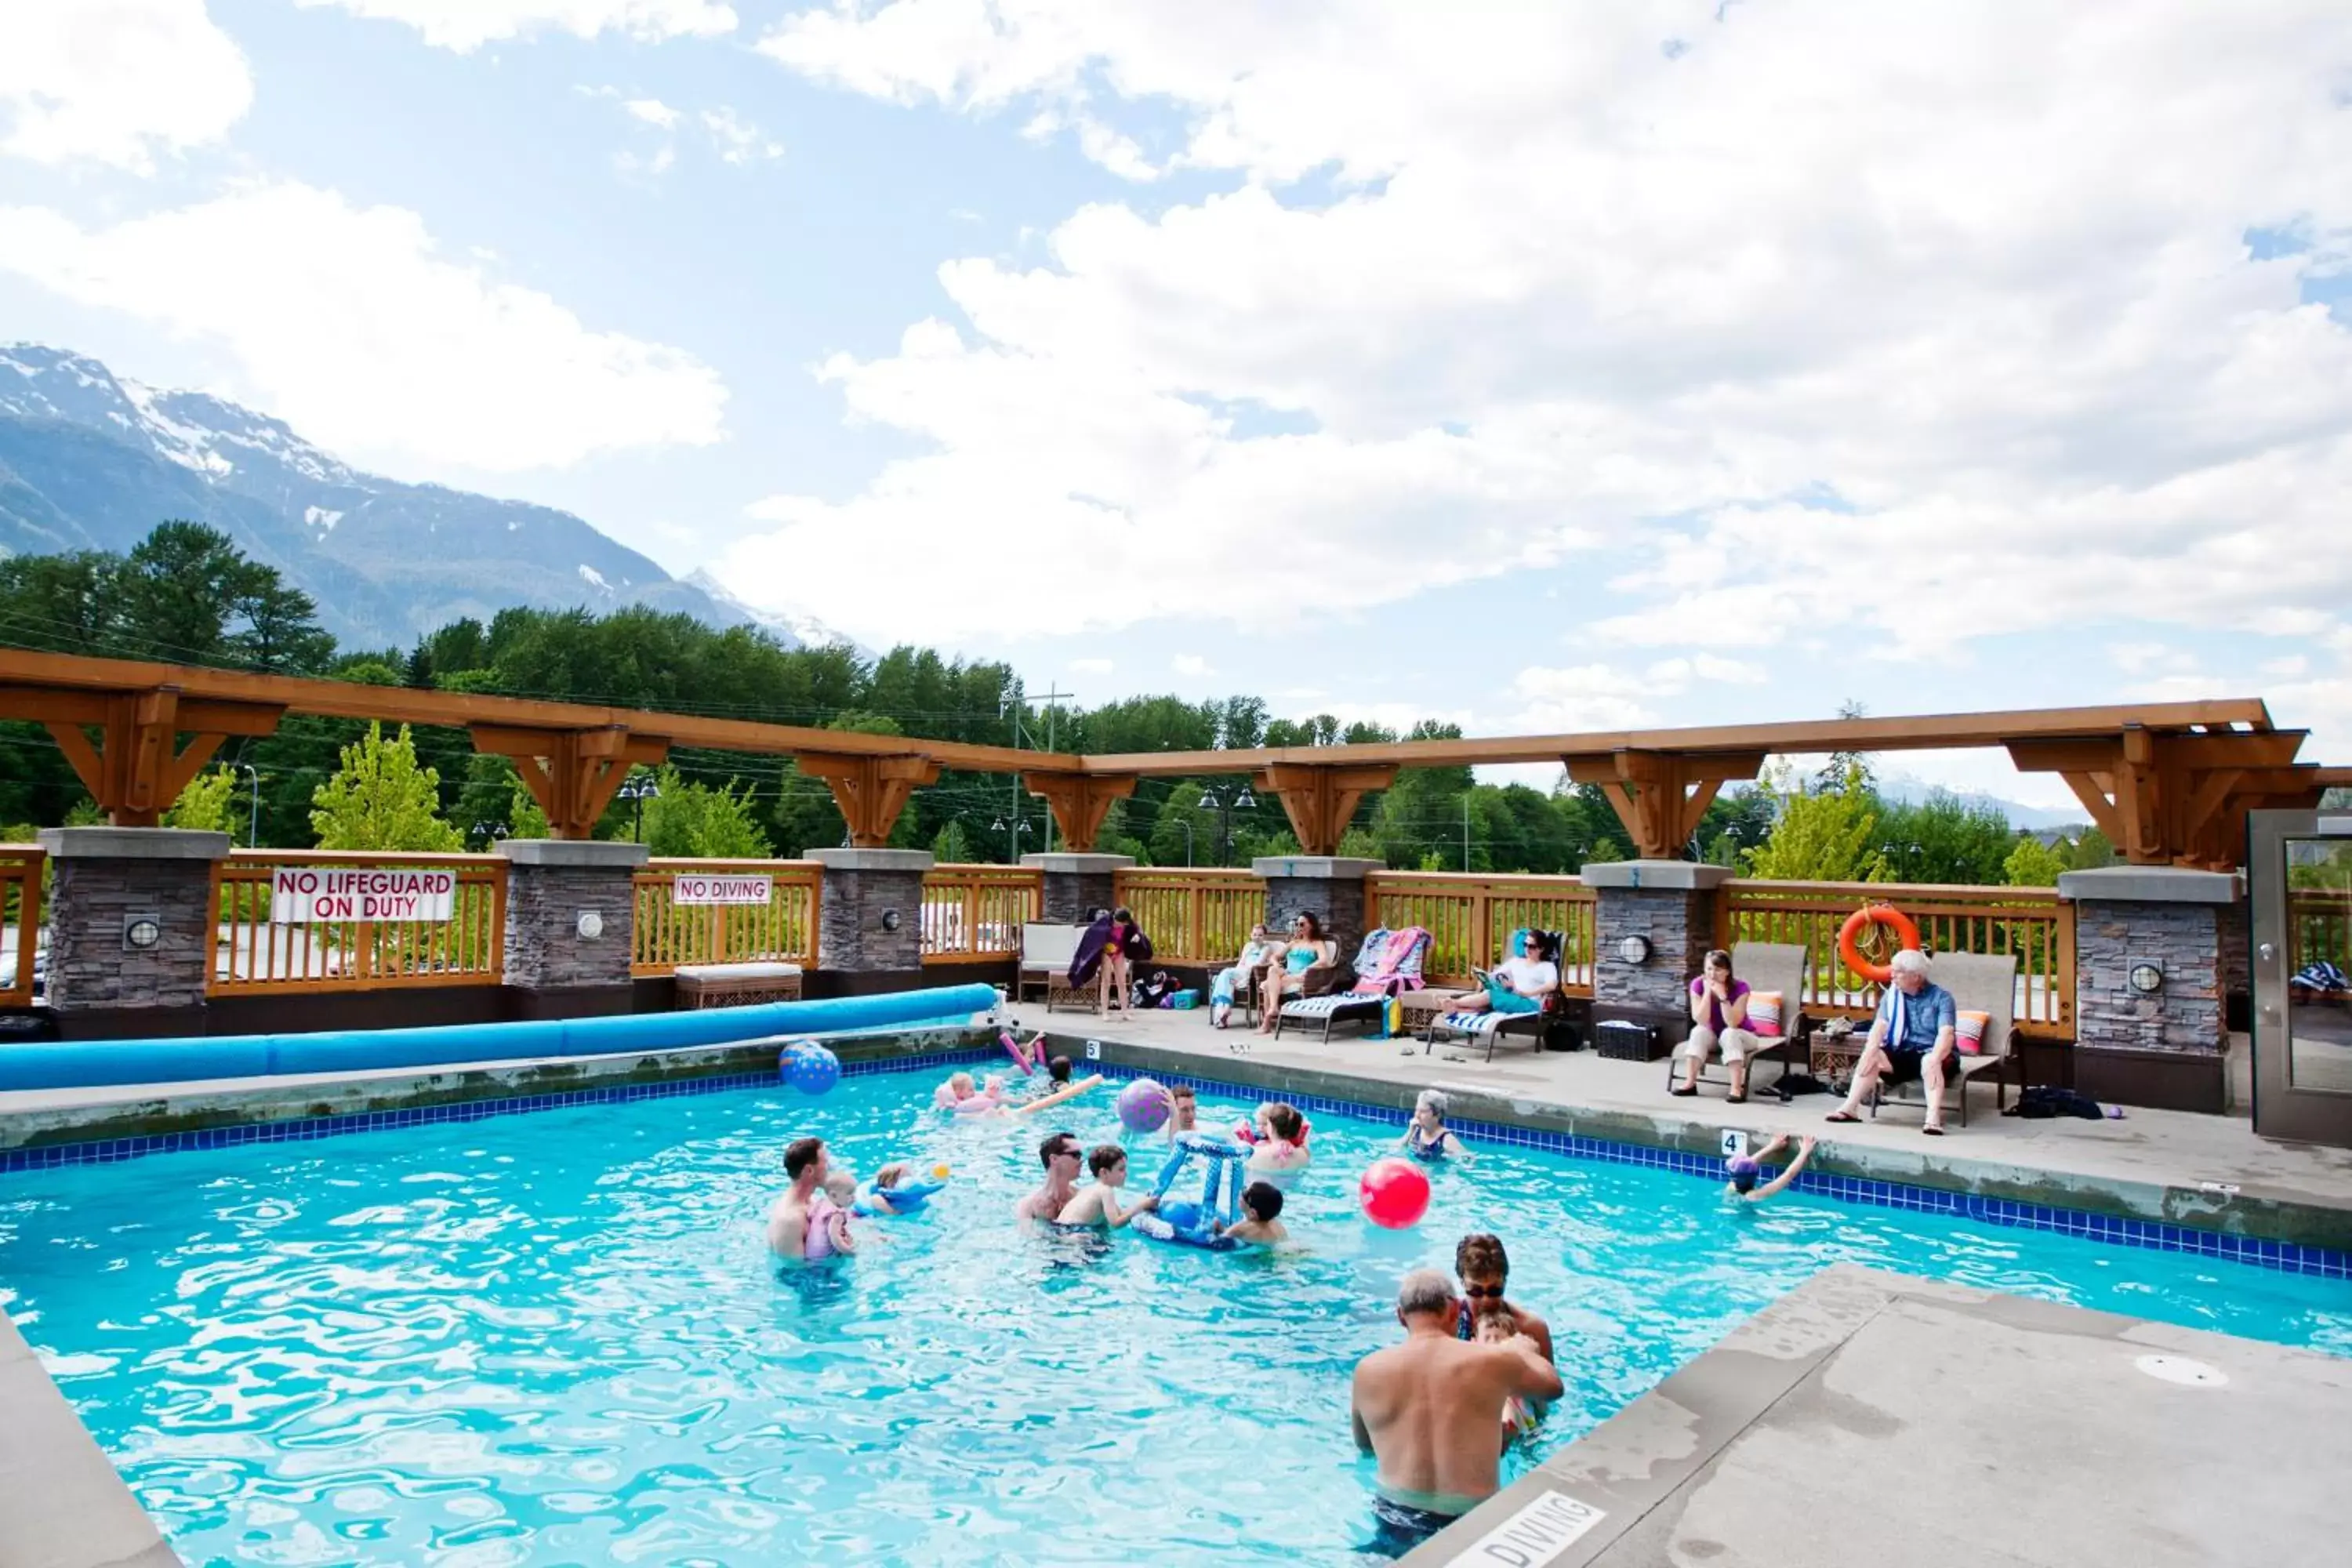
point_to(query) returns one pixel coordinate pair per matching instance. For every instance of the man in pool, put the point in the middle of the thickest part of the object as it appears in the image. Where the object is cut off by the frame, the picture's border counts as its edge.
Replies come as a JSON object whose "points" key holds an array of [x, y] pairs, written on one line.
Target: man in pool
{"points": [[1183, 1107], [788, 1216], [1097, 1205], [1060, 1154], [1485, 1268], [1426, 1408]]}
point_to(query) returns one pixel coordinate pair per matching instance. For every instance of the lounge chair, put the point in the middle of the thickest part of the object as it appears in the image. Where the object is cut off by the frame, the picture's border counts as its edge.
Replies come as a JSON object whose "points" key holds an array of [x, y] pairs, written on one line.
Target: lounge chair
{"points": [[1387, 965], [1979, 983], [1045, 954], [1765, 966], [1492, 1026]]}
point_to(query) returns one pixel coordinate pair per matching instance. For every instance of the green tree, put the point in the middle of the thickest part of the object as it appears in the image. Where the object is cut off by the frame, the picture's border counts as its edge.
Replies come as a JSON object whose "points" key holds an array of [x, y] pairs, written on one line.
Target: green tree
{"points": [[178, 587], [695, 821], [62, 603], [2033, 864], [208, 804], [1945, 839], [381, 798], [951, 846], [2090, 851], [281, 630], [1821, 835]]}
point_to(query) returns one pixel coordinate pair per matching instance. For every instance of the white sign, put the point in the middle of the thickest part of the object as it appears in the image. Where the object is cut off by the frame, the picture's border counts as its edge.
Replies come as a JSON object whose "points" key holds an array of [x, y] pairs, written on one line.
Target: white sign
{"points": [[1735, 1142], [1535, 1534], [719, 888], [307, 896]]}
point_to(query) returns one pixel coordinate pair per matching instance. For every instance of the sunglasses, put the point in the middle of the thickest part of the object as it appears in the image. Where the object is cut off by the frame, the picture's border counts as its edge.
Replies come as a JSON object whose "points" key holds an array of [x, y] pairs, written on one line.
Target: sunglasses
{"points": [[1483, 1293]]}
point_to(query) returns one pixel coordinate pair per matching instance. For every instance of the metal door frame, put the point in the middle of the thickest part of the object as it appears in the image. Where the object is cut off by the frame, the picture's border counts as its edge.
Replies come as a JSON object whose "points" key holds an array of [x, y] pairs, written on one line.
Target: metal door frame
{"points": [[2281, 1109]]}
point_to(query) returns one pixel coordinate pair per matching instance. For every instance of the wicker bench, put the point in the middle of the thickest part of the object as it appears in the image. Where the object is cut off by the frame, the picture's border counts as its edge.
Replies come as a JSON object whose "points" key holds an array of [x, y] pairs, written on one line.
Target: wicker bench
{"points": [[737, 984]]}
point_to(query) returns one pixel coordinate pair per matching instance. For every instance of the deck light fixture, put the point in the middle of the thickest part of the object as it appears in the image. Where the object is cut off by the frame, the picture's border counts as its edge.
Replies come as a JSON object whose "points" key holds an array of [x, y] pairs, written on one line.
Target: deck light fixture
{"points": [[1634, 950], [2148, 979]]}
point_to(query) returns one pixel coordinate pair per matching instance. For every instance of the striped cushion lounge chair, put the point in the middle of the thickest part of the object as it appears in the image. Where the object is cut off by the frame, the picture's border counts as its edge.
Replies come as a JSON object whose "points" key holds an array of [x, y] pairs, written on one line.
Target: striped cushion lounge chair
{"points": [[1388, 963]]}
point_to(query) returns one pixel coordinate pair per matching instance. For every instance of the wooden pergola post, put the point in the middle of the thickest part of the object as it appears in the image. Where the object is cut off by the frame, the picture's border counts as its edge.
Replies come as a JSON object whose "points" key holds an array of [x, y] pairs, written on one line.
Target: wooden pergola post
{"points": [[125, 746], [1660, 797], [1320, 798], [871, 791], [1079, 802], [2174, 799], [572, 773]]}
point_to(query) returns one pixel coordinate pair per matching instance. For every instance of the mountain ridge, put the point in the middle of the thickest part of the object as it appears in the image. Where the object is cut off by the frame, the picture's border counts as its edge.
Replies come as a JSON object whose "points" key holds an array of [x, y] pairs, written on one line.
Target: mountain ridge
{"points": [[91, 460]]}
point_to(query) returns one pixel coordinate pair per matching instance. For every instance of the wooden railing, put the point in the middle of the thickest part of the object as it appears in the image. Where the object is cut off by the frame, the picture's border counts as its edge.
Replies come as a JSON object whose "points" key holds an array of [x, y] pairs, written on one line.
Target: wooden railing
{"points": [[1470, 919], [977, 912], [252, 955], [666, 934], [20, 923], [1193, 914], [2033, 923], [2319, 925]]}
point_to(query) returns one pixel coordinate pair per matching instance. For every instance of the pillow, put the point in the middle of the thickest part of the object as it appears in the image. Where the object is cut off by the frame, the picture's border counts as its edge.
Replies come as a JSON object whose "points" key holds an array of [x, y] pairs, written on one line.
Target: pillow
{"points": [[1970, 1029], [1764, 1014]]}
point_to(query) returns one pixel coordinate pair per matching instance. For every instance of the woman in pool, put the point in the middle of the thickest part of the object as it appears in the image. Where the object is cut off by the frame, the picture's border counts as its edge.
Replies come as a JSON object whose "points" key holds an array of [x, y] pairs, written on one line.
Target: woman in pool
{"points": [[1278, 1141], [1309, 951], [1426, 1136], [1746, 1169]]}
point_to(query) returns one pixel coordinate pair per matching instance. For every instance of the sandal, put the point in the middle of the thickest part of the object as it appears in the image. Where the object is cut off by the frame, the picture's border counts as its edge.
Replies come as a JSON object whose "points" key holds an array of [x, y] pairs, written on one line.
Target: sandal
{"points": [[1840, 1116]]}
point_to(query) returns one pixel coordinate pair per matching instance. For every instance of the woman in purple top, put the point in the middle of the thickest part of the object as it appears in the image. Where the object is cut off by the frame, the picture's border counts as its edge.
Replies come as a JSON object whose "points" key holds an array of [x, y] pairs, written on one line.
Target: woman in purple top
{"points": [[1718, 1004]]}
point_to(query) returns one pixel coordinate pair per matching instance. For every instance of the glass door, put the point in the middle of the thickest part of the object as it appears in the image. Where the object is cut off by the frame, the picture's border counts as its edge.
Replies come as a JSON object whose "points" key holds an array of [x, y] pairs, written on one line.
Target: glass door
{"points": [[2299, 870]]}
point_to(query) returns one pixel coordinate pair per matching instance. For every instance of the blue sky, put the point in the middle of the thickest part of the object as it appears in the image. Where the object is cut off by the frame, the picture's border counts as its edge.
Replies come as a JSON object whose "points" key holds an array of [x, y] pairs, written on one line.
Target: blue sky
{"points": [[1532, 367]]}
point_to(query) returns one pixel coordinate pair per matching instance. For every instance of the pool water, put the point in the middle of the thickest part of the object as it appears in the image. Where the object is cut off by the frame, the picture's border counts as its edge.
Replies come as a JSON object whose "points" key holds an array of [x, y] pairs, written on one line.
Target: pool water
{"points": [[557, 1338]]}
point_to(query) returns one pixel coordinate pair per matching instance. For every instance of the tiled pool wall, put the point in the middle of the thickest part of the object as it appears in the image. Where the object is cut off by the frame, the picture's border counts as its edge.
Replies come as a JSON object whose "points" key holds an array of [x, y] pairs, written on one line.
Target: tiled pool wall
{"points": [[2285, 1256]]}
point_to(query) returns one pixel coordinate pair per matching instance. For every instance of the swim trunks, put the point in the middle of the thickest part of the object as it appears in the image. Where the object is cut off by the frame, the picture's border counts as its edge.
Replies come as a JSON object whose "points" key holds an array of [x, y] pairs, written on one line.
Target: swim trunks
{"points": [[1398, 1528]]}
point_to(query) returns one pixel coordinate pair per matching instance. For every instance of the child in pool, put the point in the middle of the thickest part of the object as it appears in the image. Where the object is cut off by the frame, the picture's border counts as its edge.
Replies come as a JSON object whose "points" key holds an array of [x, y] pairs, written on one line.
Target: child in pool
{"points": [[832, 1214], [1098, 1204], [1262, 1206], [961, 1095], [1495, 1325], [1281, 1140], [877, 1196]]}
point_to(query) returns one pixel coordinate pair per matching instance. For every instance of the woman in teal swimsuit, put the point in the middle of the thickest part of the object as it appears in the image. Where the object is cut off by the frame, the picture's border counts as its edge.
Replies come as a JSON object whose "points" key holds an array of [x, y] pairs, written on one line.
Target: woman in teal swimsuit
{"points": [[1308, 949]]}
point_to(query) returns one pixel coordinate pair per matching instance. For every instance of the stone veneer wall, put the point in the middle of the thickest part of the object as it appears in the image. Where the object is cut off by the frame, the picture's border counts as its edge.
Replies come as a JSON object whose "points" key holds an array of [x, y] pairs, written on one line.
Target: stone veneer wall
{"points": [[1071, 898], [1680, 924], [2186, 940], [1337, 902], [851, 940], [544, 949], [91, 899]]}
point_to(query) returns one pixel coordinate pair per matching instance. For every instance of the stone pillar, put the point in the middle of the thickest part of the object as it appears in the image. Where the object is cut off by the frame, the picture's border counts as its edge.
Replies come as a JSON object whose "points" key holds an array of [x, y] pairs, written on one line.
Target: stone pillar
{"points": [[131, 944], [571, 924], [870, 910], [1329, 886], [1670, 905], [1077, 885], [2238, 964], [2161, 1047]]}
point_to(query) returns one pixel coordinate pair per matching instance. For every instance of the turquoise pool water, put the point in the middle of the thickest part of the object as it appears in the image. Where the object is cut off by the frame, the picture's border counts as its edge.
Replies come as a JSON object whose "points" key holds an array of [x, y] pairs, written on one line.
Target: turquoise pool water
{"points": [[556, 1338]]}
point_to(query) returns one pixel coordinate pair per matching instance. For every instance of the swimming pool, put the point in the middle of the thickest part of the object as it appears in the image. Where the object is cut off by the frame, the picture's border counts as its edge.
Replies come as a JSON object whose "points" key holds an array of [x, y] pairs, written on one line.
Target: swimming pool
{"points": [[556, 1337]]}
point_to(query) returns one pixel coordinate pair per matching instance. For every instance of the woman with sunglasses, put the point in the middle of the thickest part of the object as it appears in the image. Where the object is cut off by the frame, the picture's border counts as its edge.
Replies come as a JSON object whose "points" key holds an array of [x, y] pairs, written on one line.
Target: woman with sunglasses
{"points": [[1287, 975], [1484, 1269]]}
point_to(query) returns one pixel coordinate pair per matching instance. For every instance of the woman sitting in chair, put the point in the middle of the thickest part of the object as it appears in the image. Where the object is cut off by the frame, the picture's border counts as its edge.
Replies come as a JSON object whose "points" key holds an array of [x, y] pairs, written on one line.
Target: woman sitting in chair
{"points": [[1241, 978], [1308, 949], [1718, 1009], [1518, 985]]}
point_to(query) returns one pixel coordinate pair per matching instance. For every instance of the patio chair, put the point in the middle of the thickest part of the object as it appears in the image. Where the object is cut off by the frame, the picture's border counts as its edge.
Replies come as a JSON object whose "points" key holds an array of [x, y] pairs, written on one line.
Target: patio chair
{"points": [[1388, 963], [1765, 966], [1492, 1026], [1979, 983], [1045, 954]]}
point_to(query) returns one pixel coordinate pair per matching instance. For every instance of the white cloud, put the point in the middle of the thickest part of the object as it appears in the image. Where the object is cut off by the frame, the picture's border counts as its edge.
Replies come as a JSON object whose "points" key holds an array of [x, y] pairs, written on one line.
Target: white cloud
{"points": [[1091, 667], [738, 139], [1581, 698], [113, 81], [464, 26], [1817, 346], [351, 324], [2293, 663], [1189, 664], [652, 111]]}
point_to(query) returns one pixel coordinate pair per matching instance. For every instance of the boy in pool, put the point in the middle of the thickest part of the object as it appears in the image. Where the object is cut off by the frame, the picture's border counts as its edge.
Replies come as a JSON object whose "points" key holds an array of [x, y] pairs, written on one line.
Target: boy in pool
{"points": [[878, 1196], [1262, 1206], [1744, 1170], [1098, 1204]]}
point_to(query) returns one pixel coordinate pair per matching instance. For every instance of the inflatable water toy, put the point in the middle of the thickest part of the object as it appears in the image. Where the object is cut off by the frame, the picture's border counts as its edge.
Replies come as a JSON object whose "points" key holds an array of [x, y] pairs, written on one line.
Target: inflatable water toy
{"points": [[1394, 1193], [1198, 1224], [1145, 1105], [808, 1067], [905, 1198]]}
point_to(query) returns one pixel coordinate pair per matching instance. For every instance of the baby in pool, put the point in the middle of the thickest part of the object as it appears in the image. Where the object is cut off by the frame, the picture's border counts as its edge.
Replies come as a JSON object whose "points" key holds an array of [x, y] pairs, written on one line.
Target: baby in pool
{"points": [[961, 1095]]}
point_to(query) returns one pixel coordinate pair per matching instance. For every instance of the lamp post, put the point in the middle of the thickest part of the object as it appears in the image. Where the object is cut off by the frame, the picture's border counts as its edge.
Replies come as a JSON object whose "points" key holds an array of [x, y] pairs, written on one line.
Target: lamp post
{"points": [[1227, 798], [1186, 824], [488, 832], [253, 817], [637, 790], [1013, 830]]}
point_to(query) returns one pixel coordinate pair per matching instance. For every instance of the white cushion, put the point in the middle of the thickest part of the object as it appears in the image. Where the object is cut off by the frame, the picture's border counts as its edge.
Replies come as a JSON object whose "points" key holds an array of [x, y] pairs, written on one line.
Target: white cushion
{"points": [[1324, 1006], [738, 971]]}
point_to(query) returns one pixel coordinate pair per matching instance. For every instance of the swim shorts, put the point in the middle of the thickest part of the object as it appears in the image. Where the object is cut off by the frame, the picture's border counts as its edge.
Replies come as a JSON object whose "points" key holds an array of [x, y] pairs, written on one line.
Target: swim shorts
{"points": [[1397, 1528]]}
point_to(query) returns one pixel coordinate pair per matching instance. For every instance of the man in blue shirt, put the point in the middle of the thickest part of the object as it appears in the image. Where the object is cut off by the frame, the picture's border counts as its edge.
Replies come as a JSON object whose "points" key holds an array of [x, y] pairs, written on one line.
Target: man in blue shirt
{"points": [[1912, 1037]]}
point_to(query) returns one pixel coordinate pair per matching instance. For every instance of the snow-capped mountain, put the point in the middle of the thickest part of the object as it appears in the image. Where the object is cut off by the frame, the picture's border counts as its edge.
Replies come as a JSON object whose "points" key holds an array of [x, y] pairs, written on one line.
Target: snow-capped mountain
{"points": [[91, 460], [792, 628]]}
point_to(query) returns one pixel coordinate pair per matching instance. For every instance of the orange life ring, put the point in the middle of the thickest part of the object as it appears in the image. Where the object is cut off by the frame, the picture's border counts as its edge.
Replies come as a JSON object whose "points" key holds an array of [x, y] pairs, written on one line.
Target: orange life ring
{"points": [[1885, 915]]}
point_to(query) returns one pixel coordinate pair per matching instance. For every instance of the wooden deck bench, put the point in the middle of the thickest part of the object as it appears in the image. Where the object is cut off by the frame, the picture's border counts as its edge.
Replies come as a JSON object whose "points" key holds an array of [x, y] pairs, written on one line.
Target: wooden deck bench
{"points": [[736, 985]]}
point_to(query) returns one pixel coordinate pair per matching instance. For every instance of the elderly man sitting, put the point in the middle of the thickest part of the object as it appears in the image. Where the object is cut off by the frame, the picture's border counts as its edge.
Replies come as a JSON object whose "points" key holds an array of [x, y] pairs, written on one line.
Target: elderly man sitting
{"points": [[1911, 1037]]}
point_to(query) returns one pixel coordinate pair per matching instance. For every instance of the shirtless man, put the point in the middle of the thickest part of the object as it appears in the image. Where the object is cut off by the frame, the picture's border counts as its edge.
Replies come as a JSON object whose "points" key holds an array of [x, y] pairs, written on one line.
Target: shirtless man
{"points": [[1060, 1155], [1099, 1204], [788, 1216], [1425, 1409]]}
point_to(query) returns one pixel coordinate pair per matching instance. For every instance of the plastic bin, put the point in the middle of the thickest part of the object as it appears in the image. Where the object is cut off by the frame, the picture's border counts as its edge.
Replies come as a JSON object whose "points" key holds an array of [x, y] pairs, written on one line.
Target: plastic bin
{"points": [[1623, 1040]]}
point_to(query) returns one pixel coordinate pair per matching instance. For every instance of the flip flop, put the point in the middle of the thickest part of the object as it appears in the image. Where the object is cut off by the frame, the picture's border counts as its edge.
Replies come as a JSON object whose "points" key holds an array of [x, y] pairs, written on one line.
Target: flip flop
{"points": [[1933, 1132], [1840, 1116]]}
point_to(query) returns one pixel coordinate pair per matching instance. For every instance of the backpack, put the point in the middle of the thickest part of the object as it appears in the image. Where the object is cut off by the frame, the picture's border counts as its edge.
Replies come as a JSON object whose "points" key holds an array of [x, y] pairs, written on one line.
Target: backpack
{"points": [[2045, 1102]]}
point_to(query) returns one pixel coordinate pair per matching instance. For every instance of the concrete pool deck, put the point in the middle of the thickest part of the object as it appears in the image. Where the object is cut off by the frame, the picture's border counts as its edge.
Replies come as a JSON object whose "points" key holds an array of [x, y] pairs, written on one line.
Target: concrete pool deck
{"points": [[1867, 1419]]}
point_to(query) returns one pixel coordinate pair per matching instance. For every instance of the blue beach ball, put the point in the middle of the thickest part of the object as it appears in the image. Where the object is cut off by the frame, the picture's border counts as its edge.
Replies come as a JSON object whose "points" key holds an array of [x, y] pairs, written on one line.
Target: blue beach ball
{"points": [[808, 1067]]}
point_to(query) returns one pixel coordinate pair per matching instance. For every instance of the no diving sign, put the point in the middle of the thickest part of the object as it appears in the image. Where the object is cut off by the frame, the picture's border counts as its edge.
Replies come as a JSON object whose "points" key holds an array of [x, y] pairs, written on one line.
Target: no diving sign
{"points": [[1533, 1535]]}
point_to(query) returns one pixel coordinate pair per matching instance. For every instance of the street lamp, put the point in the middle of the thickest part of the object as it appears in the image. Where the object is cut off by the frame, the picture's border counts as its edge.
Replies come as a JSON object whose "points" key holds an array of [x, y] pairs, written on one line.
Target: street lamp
{"points": [[1015, 828], [488, 831], [1186, 824], [1227, 798], [637, 790], [253, 819]]}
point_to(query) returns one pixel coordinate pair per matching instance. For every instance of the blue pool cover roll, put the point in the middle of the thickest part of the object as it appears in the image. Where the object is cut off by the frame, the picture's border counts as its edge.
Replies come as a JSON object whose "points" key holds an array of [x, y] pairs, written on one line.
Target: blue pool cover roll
{"points": [[84, 1064]]}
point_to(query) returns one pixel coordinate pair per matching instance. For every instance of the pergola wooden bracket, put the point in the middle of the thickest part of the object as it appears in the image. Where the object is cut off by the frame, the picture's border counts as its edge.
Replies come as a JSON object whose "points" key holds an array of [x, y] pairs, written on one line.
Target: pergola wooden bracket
{"points": [[2177, 799], [870, 791], [136, 766], [1320, 798], [1660, 797], [1080, 801], [572, 773]]}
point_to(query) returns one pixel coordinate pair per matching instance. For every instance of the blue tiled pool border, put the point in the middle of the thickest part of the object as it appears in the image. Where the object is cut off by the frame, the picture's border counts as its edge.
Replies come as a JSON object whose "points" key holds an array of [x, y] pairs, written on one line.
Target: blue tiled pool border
{"points": [[2284, 1256]]}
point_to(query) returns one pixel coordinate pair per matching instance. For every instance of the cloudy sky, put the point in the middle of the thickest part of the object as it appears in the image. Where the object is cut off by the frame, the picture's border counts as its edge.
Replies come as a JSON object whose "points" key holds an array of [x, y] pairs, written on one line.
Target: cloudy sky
{"points": [[1559, 366]]}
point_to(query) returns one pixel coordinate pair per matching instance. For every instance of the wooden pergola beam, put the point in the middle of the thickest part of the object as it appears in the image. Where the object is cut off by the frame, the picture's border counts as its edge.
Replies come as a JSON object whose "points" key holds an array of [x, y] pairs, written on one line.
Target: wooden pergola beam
{"points": [[870, 791], [572, 773], [136, 766], [1661, 796], [2167, 798], [1320, 799], [1080, 803]]}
